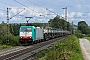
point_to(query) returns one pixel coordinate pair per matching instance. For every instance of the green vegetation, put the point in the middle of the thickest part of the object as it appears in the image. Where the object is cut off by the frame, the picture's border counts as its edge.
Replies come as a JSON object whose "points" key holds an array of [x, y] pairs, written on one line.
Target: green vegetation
{"points": [[5, 46], [12, 36], [79, 35], [88, 38], [83, 30], [13, 40], [83, 27], [68, 49], [59, 23]]}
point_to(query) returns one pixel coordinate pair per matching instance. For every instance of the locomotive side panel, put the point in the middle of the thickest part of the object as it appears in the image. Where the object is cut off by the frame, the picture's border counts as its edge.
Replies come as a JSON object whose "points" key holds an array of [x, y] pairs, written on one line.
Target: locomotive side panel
{"points": [[39, 33]]}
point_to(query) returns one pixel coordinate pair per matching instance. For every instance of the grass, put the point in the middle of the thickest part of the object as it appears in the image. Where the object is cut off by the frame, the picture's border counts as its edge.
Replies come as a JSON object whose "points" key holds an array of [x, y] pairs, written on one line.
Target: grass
{"points": [[68, 49], [4, 46], [88, 38]]}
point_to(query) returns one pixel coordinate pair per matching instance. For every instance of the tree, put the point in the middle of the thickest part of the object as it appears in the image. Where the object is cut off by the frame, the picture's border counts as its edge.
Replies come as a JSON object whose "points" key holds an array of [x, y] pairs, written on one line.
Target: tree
{"points": [[14, 29], [54, 22], [62, 24], [59, 23], [83, 27], [69, 26], [37, 24], [11, 29], [3, 29], [50, 22]]}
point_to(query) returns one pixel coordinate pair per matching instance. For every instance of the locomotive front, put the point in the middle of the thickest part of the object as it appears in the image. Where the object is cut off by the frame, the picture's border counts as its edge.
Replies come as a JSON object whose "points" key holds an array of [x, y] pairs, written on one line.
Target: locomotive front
{"points": [[25, 34]]}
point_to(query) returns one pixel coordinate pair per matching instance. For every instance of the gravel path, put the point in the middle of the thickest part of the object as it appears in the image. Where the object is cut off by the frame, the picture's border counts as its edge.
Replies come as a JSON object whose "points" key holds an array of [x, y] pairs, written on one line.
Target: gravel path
{"points": [[85, 47]]}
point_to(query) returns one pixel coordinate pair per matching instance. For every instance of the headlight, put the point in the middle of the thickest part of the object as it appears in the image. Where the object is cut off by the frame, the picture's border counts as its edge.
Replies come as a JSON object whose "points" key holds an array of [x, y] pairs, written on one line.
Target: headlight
{"points": [[30, 37], [21, 37]]}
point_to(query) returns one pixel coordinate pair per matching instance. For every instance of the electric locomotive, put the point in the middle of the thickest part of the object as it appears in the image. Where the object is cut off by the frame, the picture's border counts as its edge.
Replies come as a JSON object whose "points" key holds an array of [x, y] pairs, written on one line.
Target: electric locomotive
{"points": [[30, 34]]}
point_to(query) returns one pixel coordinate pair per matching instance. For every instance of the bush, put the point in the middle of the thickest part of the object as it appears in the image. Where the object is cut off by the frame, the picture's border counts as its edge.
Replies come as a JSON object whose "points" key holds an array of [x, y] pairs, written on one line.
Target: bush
{"points": [[13, 40], [67, 49], [5, 46], [88, 35], [79, 35]]}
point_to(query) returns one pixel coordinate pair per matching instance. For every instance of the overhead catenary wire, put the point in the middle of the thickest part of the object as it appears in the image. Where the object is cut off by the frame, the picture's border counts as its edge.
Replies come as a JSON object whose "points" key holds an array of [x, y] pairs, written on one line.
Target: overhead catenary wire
{"points": [[34, 3], [17, 13], [42, 7], [45, 9], [4, 10], [6, 4], [14, 6], [22, 5], [26, 6]]}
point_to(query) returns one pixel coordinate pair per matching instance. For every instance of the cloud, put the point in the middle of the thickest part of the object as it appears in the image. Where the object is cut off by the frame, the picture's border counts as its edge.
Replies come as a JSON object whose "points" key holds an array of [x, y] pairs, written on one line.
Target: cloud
{"points": [[15, 20], [78, 6], [75, 14], [1, 14], [34, 12], [13, 10], [79, 14], [72, 14]]}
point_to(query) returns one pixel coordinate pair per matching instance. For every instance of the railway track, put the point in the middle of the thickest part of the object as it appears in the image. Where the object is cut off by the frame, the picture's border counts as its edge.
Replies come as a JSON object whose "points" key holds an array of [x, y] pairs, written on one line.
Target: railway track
{"points": [[10, 51], [24, 53]]}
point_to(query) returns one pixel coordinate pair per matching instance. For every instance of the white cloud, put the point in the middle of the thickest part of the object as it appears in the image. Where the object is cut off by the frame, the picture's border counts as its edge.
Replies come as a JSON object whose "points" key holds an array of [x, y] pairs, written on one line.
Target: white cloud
{"points": [[62, 15], [34, 12], [72, 14], [76, 16], [15, 19], [79, 14], [13, 10], [82, 19], [1, 14]]}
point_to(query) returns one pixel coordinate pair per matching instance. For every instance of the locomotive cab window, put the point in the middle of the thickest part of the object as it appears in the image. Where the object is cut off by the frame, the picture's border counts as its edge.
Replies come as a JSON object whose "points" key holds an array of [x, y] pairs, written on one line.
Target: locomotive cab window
{"points": [[29, 30], [26, 30]]}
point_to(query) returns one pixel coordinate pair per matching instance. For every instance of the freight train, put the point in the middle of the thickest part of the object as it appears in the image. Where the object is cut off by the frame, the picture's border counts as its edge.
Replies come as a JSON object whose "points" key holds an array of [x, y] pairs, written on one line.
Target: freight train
{"points": [[32, 34]]}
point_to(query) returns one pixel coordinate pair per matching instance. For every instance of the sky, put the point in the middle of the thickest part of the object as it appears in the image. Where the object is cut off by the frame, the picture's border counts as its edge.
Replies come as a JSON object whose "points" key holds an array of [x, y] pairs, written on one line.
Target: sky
{"points": [[77, 10]]}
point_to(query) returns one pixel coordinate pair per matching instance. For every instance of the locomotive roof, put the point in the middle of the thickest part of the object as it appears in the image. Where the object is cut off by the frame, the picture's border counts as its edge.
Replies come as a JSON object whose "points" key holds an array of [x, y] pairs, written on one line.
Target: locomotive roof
{"points": [[27, 27]]}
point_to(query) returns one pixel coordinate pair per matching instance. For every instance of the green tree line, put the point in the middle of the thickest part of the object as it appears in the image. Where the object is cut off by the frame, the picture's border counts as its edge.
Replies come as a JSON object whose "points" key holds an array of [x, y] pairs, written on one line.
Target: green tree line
{"points": [[59, 23], [83, 28]]}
